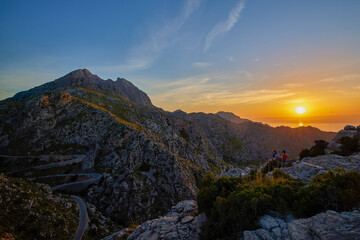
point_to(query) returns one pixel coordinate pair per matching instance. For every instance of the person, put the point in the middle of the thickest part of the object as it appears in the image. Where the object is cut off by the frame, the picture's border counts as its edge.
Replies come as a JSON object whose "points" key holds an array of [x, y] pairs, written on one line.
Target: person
{"points": [[285, 157], [275, 155]]}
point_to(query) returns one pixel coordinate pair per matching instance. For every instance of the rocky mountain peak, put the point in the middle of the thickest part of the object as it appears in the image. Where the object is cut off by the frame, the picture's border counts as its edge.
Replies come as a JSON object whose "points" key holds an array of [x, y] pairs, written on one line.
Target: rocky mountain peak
{"points": [[84, 78], [83, 73]]}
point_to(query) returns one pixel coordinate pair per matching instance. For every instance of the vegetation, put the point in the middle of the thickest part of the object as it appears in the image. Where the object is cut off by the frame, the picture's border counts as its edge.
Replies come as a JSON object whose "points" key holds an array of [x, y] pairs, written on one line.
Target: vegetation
{"points": [[233, 204], [349, 146], [316, 150], [29, 210], [271, 165]]}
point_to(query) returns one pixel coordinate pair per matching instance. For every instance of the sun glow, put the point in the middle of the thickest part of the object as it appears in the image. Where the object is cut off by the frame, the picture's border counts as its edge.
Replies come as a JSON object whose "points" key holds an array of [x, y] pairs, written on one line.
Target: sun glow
{"points": [[300, 110], [301, 124]]}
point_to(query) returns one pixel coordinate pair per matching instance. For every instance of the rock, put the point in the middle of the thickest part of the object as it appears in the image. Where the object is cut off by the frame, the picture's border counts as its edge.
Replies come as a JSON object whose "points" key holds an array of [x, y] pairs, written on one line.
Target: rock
{"points": [[328, 225], [181, 222], [267, 222], [349, 131], [349, 127], [308, 167]]}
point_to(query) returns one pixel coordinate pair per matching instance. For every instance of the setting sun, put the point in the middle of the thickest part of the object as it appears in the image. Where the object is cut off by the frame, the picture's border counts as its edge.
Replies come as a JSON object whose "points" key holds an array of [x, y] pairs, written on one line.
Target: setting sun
{"points": [[300, 110], [301, 124]]}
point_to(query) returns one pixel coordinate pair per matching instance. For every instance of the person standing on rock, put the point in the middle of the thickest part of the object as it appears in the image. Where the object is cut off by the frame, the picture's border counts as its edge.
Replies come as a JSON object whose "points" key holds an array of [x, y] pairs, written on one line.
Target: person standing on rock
{"points": [[275, 155], [285, 157]]}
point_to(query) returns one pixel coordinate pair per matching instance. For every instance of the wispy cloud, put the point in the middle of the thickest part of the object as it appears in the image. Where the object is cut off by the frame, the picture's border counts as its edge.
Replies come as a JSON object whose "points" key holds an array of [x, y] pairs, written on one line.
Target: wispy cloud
{"points": [[226, 89], [231, 59], [202, 64], [158, 39], [224, 26], [343, 78], [292, 85]]}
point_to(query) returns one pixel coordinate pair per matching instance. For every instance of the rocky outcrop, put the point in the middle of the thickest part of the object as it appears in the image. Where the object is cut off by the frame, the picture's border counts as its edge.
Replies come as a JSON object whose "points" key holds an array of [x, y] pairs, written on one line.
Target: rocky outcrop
{"points": [[328, 225], [308, 167], [232, 117], [348, 131], [182, 222]]}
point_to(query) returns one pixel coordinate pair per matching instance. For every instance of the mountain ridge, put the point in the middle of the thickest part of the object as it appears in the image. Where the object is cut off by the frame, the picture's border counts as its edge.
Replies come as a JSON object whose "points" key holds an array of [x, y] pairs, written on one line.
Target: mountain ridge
{"points": [[84, 78], [146, 155]]}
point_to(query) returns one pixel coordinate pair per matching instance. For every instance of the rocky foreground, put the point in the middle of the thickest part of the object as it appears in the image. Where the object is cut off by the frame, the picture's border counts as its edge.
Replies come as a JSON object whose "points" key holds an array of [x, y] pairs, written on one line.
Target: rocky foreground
{"points": [[327, 225], [182, 222], [308, 167]]}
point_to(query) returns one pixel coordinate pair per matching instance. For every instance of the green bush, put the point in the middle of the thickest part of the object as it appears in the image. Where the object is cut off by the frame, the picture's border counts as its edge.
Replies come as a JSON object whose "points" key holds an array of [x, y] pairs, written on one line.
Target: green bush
{"points": [[316, 150], [336, 190], [271, 165], [233, 205], [349, 146], [304, 153]]}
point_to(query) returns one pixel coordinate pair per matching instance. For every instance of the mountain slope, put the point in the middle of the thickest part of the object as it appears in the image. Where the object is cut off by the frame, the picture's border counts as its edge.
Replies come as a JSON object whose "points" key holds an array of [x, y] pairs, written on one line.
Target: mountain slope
{"points": [[150, 159], [32, 211]]}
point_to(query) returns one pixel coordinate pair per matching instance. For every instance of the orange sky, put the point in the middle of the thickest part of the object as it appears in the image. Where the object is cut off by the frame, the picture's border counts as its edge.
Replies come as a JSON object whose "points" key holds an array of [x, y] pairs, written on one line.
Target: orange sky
{"points": [[331, 97]]}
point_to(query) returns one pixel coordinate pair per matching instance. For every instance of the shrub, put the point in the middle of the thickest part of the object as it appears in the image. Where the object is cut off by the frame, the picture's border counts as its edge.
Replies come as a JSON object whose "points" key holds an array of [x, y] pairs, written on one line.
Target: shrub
{"points": [[316, 150], [349, 145], [271, 165], [304, 153], [336, 190], [233, 205]]}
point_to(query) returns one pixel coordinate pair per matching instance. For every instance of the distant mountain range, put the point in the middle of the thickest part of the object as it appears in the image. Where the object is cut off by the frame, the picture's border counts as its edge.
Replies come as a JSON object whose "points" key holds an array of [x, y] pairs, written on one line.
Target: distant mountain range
{"points": [[150, 159]]}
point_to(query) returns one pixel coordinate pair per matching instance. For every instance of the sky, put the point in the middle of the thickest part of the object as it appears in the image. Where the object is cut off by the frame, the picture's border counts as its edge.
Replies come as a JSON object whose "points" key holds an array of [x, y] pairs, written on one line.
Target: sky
{"points": [[259, 59]]}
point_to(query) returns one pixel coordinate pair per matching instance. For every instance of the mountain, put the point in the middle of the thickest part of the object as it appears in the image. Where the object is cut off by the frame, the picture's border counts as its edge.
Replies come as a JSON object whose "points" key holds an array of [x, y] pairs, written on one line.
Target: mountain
{"points": [[232, 117], [84, 78], [150, 159]]}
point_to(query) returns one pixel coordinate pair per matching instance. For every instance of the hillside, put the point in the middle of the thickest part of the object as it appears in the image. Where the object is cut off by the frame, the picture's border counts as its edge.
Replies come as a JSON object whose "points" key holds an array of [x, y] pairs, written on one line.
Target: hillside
{"points": [[29, 209], [146, 155]]}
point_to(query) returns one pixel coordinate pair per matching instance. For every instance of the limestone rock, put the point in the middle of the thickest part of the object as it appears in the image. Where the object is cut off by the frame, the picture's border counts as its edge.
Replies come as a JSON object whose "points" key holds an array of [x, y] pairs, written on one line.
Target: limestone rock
{"points": [[349, 131], [181, 222], [349, 127], [328, 225], [308, 167]]}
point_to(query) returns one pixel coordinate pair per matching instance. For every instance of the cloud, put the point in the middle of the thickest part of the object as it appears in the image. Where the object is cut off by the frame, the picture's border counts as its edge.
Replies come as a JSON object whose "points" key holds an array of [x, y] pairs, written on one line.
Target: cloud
{"points": [[343, 78], [256, 60], [158, 39], [227, 89], [202, 64], [292, 85], [231, 59], [224, 26]]}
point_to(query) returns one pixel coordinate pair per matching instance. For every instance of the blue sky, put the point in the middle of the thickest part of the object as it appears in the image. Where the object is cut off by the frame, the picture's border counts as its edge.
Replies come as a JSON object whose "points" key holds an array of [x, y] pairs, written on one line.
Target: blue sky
{"points": [[197, 55]]}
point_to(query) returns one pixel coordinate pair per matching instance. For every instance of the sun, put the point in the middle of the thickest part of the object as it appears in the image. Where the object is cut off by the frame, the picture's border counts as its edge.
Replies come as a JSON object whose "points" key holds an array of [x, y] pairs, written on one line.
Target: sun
{"points": [[300, 110], [301, 124]]}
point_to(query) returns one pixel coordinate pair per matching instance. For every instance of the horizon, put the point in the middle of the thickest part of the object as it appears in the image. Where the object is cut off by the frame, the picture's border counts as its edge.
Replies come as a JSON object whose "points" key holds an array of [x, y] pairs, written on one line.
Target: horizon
{"points": [[258, 60]]}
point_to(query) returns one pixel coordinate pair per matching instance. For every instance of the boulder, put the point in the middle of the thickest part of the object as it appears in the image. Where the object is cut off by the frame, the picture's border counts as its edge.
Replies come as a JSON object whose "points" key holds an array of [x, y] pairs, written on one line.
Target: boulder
{"points": [[328, 225], [349, 131], [349, 127], [182, 222], [310, 166]]}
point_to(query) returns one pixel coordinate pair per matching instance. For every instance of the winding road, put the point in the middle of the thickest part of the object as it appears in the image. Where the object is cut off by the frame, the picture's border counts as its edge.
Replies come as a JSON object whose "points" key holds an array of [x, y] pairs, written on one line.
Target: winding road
{"points": [[78, 185], [83, 218], [83, 215]]}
